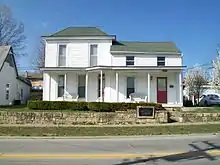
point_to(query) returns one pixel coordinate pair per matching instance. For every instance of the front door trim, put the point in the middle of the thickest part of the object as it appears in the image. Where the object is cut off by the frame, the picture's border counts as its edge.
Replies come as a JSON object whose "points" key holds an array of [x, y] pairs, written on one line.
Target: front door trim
{"points": [[159, 95]]}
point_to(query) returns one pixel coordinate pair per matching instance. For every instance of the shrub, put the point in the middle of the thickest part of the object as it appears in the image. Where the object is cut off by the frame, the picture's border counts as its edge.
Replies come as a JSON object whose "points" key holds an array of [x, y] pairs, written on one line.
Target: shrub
{"points": [[92, 106], [187, 103], [57, 105]]}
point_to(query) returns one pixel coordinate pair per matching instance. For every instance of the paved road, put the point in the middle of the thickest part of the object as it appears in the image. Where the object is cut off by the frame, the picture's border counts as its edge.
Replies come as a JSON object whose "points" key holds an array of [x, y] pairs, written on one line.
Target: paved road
{"points": [[162, 150]]}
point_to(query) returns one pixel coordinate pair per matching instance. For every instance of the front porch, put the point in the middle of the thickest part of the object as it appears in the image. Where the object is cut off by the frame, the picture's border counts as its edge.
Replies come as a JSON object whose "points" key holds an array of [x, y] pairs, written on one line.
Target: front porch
{"points": [[114, 86]]}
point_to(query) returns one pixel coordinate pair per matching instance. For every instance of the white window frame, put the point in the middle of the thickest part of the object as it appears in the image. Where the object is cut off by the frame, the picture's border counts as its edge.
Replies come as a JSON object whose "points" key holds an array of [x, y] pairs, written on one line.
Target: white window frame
{"points": [[161, 61], [62, 56], [93, 56]]}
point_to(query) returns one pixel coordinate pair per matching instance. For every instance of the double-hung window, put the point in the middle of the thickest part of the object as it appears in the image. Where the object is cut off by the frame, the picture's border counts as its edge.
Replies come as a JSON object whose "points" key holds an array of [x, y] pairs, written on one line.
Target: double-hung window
{"points": [[82, 86], [7, 92], [129, 60], [130, 85], [93, 54], [61, 85], [62, 55], [160, 61]]}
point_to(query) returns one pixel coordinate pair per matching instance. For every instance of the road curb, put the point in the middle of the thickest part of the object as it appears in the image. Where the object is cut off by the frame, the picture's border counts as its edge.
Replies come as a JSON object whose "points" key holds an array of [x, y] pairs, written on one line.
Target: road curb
{"points": [[115, 137]]}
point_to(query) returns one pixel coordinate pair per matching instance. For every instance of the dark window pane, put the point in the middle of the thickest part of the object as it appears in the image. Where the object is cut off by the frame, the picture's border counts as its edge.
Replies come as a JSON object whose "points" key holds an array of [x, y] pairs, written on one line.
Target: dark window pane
{"points": [[130, 86], [60, 91], [130, 60], [129, 91], [161, 58], [93, 50], [81, 91], [160, 63]]}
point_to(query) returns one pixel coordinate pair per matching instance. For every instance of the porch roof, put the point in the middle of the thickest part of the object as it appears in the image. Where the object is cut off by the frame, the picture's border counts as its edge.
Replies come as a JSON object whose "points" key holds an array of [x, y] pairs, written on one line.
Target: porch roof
{"points": [[133, 68], [145, 47]]}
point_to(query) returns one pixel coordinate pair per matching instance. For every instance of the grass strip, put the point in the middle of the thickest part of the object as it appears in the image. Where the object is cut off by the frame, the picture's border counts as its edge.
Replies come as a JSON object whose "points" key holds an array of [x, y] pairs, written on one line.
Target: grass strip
{"points": [[108, 131]]}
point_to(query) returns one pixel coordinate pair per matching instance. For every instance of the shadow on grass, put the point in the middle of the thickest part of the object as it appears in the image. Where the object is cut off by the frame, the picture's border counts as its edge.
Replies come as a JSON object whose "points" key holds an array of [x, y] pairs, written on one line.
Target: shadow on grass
{"points": [[198, 153]]}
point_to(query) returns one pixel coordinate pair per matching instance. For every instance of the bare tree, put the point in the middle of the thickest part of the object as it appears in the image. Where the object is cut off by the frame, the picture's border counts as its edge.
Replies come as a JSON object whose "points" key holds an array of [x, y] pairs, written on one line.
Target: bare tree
{"points": [[195, 81], [216, 72], [40, 55], [11, 31]]}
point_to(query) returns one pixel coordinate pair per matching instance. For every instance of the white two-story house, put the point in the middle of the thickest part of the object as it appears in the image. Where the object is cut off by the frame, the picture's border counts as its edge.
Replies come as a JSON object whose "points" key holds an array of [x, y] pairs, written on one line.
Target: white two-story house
{"points": [[86, 64]]}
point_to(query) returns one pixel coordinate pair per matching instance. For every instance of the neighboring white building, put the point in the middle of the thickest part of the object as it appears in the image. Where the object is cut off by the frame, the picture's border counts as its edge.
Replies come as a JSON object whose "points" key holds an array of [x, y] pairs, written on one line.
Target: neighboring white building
{"points": [[90, 64], [12, 86]]}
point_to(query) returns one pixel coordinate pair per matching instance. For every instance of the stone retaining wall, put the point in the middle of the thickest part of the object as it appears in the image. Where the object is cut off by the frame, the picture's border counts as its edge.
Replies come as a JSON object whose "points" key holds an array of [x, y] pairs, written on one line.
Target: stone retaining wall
{"points": [[78, 118], [194, 117]]}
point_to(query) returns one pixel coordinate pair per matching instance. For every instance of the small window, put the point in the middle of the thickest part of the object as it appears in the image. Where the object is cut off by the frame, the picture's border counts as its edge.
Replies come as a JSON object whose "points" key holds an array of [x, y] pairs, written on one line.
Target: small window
{"points": [[129, 60], [130, 86], [93, 50], [21, 93], [81, 86], [62, 55], [160, 61], [60, 85], [7, 92]]}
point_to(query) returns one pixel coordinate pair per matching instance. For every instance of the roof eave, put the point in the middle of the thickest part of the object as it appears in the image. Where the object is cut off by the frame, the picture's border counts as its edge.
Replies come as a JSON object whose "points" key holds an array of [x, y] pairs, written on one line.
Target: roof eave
{"points": [[136, 52], [78, 37]]}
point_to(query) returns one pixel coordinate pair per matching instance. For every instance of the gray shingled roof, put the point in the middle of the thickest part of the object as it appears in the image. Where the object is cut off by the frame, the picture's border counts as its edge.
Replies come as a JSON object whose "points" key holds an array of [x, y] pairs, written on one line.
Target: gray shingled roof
{"points": [[3, 54], [144, 46], [78, 31]]}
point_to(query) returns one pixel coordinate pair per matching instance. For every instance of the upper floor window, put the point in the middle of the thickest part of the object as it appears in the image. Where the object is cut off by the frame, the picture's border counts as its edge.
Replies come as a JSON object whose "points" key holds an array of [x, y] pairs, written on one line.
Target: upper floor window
{"points": [[129, 60], [93, 55], [93, 50], [62, 55], [160, 61]]}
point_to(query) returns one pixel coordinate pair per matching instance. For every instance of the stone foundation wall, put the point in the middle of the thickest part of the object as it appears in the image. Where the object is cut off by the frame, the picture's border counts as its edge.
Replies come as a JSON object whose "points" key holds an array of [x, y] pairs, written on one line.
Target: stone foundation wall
{"points": [[194, 117], [78, 118]]}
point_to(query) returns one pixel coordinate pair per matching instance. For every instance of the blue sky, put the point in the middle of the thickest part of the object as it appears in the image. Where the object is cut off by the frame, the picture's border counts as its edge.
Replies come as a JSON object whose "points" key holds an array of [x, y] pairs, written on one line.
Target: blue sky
{"points": [[194, 25]]}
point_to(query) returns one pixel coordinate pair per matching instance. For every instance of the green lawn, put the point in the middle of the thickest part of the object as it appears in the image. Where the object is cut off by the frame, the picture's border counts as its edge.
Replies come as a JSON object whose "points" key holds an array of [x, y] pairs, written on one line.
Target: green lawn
{"points": [[108, 131]]}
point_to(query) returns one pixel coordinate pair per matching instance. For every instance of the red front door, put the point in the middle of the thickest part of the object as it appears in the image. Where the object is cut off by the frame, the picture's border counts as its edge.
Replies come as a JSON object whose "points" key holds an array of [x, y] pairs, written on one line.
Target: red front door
{"points": [[162, 89]]}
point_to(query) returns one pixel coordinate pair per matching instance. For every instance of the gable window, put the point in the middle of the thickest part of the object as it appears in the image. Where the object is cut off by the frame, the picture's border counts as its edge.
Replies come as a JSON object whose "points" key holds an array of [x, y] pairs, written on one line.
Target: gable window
{"points": [[7, 92], [129, 60], [62, 55], [130, 85], [160, 61], [82, 86], [93, 54], [60, 85]]}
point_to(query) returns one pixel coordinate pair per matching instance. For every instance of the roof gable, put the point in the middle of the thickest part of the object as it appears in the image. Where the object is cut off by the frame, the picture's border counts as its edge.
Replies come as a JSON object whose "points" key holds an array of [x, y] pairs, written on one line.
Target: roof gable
{"points": [[145, 47], [79, 31], [4, 50], [6, 55]]}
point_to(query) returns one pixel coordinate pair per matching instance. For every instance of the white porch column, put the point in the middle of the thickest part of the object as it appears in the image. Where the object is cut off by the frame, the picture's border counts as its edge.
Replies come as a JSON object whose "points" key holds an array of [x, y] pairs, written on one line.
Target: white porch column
{"points": [[116, 83], [148, 87], [87, 78], [101, 92], [180, 89]]}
